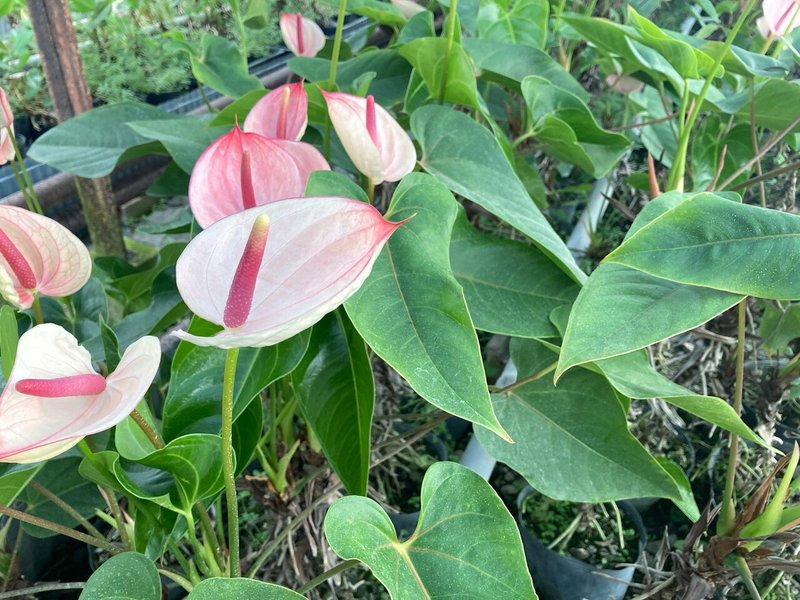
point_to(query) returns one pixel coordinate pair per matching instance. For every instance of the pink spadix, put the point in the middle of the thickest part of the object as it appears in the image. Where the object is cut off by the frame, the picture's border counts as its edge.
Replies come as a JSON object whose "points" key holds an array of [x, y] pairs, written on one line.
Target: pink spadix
{"points": [[240, 298], [372, 128], [298, 26], [63, 387], [248, 193], [19, 266]]}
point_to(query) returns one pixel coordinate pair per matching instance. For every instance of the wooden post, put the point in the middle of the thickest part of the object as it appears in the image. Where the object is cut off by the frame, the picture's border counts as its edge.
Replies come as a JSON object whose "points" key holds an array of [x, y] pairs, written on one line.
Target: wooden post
{"points": [[58, 49]]}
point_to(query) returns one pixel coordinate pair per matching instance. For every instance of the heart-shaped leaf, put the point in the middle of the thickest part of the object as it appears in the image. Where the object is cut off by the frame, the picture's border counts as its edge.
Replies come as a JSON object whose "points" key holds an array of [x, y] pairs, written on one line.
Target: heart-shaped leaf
{"points": [[126, 576], [466, 544]]}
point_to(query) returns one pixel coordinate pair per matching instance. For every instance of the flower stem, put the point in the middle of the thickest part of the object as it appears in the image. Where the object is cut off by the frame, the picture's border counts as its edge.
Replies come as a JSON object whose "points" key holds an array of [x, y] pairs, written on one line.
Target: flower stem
{"points": [[679, 163], [65, 506], [337, 46], [37, 309], [37, 207], [147, 429], [726, 515], [234, 569], [323, 577], [451, 32], [370, 190]]}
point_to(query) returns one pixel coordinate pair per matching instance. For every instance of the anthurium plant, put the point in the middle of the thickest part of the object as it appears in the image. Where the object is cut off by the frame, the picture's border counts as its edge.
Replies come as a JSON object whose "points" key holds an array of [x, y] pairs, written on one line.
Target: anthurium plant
{"points": [[396, 206]]}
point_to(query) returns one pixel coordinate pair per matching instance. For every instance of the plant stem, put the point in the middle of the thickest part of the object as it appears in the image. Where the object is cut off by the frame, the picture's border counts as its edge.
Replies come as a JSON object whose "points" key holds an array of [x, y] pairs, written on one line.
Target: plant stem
{"points": [[234, 569], [67, 509], [762, 192], [12, 561], [37, 207], [323, 577], [337, 46], [22, 187], [56, 528], [679, 163], [45, 587], [452, 14], [147, 429], [370, 190], [726, 515], [179, 579], [528, 379], [111, 497], [773, 173], [37, 309]]}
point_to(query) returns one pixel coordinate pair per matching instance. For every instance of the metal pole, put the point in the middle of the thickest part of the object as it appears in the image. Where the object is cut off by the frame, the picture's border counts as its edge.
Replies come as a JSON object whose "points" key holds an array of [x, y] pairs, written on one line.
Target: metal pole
{"points": [[58, 48]]}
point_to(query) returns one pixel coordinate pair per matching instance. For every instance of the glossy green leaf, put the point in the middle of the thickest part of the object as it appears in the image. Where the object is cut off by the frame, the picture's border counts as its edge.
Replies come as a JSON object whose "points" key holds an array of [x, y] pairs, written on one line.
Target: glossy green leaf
{"points": [[771, 99], [738, 60], [221, 67], [411, 310], [467, 158], [187, 469], [217, 588], [331, 183], [91, 144], [336, 394], [14, 478], [432, 60], [564, 123], [466, 544], [185, 138], [514, 63], [383, 12], [126, 576], [620, 309], [709, 241], [9, 337], [510, 286], [779, 325], [153, 528], [193, 400], [523, 22], [572, 441], [237, 110], [418, 26]]}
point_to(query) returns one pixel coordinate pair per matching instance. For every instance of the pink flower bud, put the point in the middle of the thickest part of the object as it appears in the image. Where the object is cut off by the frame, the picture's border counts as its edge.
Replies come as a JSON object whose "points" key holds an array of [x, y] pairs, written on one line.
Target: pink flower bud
{"points": [[6, 123], [241, 170], [302, 36], [270, 272], [374, 141], [37, 254], [408, 8], [54, 398], [780, 17], [281, 114]]}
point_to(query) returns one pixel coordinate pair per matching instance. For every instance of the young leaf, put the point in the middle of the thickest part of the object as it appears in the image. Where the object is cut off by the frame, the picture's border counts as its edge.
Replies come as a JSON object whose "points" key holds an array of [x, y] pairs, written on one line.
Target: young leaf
{"points": [[126, 576], [466, 544], [427, 56]]}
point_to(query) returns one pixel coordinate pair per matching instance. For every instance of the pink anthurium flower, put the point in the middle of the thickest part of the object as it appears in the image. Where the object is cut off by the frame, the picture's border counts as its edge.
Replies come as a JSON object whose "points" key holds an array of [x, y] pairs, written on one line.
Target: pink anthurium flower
{"points": [[267, 273], [6, 123], [374, 141], [408, 8], [780, 17], [54, 398], [281, 114], [39, 255], [302, 36], [241, 170]]}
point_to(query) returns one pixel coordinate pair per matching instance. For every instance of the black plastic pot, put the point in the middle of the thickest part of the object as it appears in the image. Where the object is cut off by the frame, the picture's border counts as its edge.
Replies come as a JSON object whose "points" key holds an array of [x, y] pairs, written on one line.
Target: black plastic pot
{"points": [[558, 577]]}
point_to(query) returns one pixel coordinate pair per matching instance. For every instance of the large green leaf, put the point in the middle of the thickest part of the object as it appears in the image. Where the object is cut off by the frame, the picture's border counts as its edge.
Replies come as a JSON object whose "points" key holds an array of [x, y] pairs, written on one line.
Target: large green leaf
{"points": [[620, 309], [384, 13], [432, 60], [193, 403], [186, 470], [126, 576], [564, 123], [510, 286], [336, 394], [466, 544], [709, 241], [221, 67], [513, 63], [771, 98], [411, 310], [522, 22], [185, 138], [468, 159], [91, 144], [14, 478], [572, 441], [218, 588]]}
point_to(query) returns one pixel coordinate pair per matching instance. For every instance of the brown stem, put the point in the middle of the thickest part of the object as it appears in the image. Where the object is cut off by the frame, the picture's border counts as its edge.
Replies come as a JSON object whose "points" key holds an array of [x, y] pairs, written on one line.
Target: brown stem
{"points": [[754, 140], [67, 509], [528, 379], [146, 429], [769, 174]]}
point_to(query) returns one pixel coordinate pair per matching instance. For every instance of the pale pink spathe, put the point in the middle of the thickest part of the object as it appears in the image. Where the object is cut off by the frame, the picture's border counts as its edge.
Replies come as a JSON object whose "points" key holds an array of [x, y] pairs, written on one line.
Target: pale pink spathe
{"points": [[303, 37], [391, 158], [780, 17], [6, 123], [624, 84], [281, 114], [60, 262], [408, 8], [34, 428], [318, 253], [279, 169]]}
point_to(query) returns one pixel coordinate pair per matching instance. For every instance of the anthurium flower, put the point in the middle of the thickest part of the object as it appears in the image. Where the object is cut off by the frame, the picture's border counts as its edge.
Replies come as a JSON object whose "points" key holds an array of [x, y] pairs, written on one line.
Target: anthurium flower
{"points": [[6, 123], [267, 273], [302, 36], [54, 398], [241, 170], [37, 254], [408, 8], [281, 114], [780, 17], [374, 141]]}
